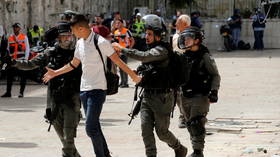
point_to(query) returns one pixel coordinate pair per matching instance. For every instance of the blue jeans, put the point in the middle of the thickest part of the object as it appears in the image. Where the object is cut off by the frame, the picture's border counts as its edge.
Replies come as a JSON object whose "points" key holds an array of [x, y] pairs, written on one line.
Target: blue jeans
{"points": [[93, 102], [236, 36], [258, 44]]}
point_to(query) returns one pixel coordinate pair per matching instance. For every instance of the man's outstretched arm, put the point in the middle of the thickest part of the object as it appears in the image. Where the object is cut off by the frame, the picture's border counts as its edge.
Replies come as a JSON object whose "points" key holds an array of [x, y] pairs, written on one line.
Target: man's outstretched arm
{"points": [[66, 68], [115, 58]]}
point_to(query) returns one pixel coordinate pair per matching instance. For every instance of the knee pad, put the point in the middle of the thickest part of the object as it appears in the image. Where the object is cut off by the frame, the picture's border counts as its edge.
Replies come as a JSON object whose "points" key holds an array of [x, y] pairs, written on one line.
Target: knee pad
{"points": [[196, 126]]}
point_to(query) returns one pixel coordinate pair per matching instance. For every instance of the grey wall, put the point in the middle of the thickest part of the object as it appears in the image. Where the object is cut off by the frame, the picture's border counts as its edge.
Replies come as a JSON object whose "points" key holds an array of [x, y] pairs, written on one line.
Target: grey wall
{"points": [[44, 13], [271, 33]]}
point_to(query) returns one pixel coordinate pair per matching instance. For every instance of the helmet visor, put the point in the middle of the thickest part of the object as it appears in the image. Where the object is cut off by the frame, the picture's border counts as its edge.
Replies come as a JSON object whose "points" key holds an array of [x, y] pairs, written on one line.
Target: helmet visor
{"points": [[186, 40]]}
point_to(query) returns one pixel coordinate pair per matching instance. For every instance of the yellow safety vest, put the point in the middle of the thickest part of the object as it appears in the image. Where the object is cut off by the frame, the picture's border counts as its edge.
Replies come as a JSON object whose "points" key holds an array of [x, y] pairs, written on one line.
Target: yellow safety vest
{"points": [[138, 29]]}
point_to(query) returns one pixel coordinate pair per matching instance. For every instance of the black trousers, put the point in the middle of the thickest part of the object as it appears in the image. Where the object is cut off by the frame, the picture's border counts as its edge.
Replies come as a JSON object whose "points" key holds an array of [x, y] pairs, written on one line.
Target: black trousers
{"points": [[124, 76], [11, 73]]}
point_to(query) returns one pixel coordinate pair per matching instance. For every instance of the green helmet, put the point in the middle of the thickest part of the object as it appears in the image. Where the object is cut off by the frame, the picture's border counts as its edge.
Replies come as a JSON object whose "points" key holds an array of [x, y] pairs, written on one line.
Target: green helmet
{"points": [[154, 23]]}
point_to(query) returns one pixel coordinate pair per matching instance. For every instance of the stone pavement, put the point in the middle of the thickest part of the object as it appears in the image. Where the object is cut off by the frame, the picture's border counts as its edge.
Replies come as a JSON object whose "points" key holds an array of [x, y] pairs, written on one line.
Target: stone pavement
{"points": [[244, 123]]}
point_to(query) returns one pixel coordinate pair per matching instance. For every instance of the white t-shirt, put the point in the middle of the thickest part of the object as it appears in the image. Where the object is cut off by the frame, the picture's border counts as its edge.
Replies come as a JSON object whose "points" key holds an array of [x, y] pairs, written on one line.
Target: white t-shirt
{"points": [[175, 43], [93, 76]]}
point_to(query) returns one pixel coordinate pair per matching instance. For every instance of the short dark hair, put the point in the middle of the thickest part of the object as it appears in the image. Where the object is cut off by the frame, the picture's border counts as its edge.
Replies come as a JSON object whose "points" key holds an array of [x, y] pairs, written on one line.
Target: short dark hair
{"points": [[120, 20], [117, 12], [79, 20], [100, 15]]}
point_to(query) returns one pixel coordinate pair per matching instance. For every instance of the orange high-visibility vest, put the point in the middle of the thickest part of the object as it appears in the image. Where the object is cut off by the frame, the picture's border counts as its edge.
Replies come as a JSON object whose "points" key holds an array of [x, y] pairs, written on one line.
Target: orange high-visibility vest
{"points": [[17, 46], [122, 38]]}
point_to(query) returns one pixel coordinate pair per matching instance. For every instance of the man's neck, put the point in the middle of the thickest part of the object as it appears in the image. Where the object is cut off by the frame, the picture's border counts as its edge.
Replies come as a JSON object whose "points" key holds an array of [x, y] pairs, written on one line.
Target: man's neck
{"points": [[16, 33]]}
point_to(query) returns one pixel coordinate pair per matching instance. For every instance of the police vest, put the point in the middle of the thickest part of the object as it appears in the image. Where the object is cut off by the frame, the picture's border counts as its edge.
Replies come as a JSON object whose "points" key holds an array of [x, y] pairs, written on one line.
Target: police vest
{"points": [[138, 29], [199, 80], [156, 75], [122, 37], [38, 34], [63, 87], [17, 46]]}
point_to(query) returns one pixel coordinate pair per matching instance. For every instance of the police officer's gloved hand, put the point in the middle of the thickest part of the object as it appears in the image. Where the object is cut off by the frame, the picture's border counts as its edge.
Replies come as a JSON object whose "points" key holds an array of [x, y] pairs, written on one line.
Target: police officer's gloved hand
{"points": [[48, 114], [213, 96], [7, 59]]}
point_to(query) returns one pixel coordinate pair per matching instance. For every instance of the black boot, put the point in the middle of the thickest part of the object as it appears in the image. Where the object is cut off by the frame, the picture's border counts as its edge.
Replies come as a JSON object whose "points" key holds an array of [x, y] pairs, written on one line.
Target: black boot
{"points": [[182, 151], [20, 95], [6, 95], [197, 153]]}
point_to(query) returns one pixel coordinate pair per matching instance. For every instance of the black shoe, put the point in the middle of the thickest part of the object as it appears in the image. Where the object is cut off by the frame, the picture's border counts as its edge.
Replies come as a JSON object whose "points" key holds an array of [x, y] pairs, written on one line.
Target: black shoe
{"points": [[182, 151], [197, 153], [20, 95], [6, 95]]}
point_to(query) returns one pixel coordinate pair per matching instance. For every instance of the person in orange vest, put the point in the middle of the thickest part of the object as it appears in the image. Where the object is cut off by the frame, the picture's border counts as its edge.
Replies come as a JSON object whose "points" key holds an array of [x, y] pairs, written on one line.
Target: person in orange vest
{"points": [[18, 47], [125, 39]]}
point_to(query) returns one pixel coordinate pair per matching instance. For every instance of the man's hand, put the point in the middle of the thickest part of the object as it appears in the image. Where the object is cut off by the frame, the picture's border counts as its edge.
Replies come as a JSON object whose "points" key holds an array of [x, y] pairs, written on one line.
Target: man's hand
{"points": [[213, 96], [117, 47], [136, 79], [49, 75]]}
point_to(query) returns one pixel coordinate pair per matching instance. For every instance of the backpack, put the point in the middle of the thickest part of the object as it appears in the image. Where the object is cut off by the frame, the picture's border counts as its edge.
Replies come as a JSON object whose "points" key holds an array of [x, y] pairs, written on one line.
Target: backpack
{"points": [[111, 78], [244, 46]]}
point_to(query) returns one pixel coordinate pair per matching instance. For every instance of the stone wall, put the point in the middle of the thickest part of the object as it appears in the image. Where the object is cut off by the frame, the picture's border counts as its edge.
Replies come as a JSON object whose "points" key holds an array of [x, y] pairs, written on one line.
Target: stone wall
{"points": [[45, 14], [214, 40]]}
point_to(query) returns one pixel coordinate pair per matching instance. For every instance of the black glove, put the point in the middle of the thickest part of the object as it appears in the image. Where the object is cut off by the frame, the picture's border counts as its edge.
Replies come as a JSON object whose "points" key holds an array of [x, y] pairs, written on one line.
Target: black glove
{"points": [[48, 114], [213, 96], [7, 59]]}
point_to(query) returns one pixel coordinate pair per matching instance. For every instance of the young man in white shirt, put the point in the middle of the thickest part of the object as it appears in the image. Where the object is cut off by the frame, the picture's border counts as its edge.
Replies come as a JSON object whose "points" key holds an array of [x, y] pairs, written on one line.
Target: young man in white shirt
{"points": [[93, 81]]}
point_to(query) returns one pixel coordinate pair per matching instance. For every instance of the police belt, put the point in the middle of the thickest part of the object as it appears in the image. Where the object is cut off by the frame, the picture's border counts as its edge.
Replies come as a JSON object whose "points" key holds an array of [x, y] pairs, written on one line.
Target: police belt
{"points": [[158, 90], [189, 93]]}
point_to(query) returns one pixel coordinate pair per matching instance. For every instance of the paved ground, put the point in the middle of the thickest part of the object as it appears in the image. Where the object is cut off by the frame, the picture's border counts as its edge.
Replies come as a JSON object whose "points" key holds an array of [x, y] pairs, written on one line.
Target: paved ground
{"points": [[245, 122]]}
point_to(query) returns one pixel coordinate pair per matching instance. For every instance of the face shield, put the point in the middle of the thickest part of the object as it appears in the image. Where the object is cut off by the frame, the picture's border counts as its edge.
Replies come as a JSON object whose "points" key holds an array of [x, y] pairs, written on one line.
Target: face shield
{"points": [[186, 40]]}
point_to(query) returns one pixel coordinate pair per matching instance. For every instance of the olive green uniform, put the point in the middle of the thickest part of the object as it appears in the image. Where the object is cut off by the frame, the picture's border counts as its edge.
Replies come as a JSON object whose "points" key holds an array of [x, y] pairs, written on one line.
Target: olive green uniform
{"points": [[158, 101], [62, 96], [204, 77]]}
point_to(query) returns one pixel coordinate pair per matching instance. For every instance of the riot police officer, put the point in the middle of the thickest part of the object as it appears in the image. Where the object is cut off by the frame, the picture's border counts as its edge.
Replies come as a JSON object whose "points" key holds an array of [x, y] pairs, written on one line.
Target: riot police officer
{"points": [[202, 87], [158, 96], [63, 101]]}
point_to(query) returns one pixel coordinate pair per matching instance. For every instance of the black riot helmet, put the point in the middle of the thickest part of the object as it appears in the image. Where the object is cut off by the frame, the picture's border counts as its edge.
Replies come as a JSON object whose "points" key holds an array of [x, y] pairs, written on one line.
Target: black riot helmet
{"points": [[190, 33], [154, 23], [52, 33], [61, 28]]}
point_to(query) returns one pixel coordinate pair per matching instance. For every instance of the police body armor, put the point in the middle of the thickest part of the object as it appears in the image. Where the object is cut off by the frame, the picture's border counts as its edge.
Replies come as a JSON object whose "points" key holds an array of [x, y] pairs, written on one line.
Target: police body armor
{"points": [[199, 82], [156, 75], [63, 87]]}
